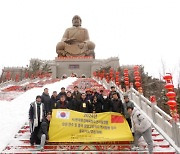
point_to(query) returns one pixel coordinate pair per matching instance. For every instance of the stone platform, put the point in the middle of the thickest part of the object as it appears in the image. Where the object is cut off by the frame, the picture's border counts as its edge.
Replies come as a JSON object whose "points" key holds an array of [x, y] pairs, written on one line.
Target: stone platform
{"points": [[81, 66]]}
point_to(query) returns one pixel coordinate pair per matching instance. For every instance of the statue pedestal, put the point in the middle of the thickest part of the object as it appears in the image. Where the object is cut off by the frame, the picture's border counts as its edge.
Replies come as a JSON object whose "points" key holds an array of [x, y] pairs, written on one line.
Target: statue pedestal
{"points": [[81, 66], [77, 65]]}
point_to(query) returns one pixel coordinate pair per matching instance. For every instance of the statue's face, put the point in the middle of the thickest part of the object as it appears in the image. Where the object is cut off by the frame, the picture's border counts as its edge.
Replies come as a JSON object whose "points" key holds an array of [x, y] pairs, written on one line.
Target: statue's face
{"points": [[76, 21]]}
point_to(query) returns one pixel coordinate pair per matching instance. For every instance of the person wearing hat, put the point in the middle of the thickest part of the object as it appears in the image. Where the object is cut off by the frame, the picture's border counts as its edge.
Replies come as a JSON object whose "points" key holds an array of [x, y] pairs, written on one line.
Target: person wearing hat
{"points": [[113, 90], [127, 103], [62, 92], [76, 94], [141, 127], [36, 115]]}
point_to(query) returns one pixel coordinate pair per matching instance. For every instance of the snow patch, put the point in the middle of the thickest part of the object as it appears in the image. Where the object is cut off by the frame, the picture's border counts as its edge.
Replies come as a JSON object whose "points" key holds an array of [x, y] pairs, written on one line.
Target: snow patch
{"points": [[14, 114]]}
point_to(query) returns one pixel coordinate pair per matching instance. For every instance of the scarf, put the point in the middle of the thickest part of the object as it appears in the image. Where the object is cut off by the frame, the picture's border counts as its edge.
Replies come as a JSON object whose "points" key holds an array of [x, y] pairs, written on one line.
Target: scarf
{"points": [[35, 124]]}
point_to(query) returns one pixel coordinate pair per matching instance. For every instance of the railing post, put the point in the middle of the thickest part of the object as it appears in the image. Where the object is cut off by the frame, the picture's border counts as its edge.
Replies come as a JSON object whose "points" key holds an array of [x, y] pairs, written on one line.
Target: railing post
{"points": [[140, 104], [175, 132], [153, 111]]}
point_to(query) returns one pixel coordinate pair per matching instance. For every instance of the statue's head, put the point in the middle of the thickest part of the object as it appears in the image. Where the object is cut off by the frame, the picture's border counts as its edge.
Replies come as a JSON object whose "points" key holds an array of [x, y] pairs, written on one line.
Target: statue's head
{"points": [[76, 21]]}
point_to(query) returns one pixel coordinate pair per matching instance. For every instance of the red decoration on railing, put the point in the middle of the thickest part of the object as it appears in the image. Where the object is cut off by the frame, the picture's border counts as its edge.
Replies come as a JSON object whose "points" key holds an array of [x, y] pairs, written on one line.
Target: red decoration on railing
{"points": [[8, 75], [153, 99], [171, 95], [26, 75], [17, 78]]}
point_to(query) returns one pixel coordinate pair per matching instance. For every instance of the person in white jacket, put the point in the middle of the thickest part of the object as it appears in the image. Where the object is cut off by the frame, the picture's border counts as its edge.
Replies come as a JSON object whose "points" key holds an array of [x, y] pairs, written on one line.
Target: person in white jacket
{"points": [[141, 126]]}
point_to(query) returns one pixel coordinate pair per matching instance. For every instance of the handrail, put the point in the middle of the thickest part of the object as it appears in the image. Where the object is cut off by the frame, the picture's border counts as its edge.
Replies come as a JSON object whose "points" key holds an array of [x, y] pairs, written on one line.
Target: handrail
{"points": [[155, 111]]}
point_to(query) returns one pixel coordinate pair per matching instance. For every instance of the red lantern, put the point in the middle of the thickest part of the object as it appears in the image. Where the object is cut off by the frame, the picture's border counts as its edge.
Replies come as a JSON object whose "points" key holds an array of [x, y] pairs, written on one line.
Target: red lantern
{"points": [[126, 79], [137, 84], [137, 78], [136, 68], [171, 95], [126, 70], [168, 77], [126, 83], [126, 74], [172, 103], [136, 73], [169, 86]]}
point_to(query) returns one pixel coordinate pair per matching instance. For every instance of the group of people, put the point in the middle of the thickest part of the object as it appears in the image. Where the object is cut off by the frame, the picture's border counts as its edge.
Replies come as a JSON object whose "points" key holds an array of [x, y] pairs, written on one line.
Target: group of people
{"points": [[90, 101]]}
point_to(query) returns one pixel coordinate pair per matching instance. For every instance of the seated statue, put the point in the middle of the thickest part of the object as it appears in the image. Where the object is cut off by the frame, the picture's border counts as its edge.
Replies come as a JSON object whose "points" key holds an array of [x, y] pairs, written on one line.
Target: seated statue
{"points": [[75, 41]]}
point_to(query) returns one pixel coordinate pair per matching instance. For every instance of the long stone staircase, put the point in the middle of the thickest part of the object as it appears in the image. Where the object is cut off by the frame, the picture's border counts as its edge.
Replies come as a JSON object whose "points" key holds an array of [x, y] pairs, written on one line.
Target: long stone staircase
{"points": [[165, 133]]}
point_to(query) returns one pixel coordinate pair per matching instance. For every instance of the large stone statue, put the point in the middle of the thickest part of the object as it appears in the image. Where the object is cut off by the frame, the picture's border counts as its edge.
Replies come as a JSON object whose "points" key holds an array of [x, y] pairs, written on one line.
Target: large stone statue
{"points": [[75, 41]]}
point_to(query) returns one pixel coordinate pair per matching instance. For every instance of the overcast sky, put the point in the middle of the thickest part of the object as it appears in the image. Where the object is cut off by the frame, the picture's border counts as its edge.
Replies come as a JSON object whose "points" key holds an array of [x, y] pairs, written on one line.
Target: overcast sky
{"points": [[138, 31]]}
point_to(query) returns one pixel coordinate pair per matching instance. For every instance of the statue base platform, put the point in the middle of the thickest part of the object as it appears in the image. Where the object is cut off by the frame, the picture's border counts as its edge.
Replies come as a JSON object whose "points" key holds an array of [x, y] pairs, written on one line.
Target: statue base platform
{"points": [[79, 65]]}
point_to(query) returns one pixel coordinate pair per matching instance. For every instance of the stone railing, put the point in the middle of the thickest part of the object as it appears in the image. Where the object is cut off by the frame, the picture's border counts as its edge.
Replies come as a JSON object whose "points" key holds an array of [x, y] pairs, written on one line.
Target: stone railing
{"points": [[160, 120]]}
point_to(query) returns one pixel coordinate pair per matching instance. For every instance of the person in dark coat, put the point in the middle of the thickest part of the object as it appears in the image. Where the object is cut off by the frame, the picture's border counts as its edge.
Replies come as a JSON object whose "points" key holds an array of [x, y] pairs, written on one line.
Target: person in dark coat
{"points": [[36, 115], [62, 92], [53, 101], [105, 101], [45, 98], [62, 103], [43, 131], [127, 103], [70, 101], [94, 92], [116, 104], [88, 94], [76, 94], [113, 90], [84, 104], [95, 106]]}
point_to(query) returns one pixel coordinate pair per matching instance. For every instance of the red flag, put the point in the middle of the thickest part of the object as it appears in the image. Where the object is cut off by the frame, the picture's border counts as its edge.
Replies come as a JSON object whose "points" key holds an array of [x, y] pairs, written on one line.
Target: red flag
{"points": [[117, 119]]}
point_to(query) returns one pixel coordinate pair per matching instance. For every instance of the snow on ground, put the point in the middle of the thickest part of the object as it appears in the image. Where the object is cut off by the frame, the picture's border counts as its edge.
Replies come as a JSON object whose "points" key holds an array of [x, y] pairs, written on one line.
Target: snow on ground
{"points": [[14, 114]]}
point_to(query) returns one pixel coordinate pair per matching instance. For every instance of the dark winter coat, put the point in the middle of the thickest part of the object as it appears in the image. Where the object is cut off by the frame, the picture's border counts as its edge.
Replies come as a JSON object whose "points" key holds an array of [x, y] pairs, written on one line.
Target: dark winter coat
{"points": [[111, 94], [106, 104], [117, 106], [61, 105], [96, 107], [33, 116], [53, 103], [89, 97], [60, 94], [32, 111], [70, 103], [76, 95], [44, 128], [84, 106], [45, 99]]}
